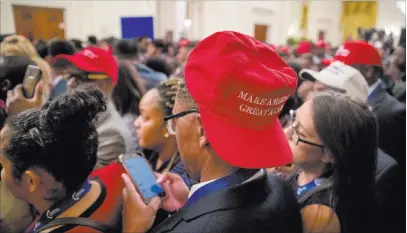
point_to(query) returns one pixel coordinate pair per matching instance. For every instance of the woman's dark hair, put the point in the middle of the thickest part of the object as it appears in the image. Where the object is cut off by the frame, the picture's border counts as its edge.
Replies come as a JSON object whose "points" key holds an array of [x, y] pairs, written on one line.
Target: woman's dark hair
{"points": [[348, 130], [77, 44], [93, 40], [159, 65], [158, 43], [127, 49], [139, 39], [168, 91], [42, 48], [110, 40], [128, 91], [57, 47], [60, 137]]}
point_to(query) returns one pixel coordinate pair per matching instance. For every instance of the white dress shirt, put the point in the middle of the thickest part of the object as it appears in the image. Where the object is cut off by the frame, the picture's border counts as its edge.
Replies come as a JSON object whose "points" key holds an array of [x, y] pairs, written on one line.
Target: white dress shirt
{"points": [[373, 87]]}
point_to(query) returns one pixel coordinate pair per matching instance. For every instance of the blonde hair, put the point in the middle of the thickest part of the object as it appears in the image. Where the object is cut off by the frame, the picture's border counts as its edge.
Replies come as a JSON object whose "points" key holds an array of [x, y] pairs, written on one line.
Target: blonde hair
{"points": [[17, 45]]}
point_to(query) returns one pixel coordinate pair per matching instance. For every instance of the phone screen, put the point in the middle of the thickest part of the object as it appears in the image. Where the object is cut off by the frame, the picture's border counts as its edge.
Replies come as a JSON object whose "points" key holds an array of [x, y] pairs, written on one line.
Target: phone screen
{"points": [[31, 78], [143, 177]]}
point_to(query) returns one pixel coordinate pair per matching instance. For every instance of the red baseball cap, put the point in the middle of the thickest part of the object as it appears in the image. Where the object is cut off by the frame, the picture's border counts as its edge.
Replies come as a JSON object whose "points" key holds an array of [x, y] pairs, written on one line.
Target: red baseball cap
{"points": [[283, 49], [326, 61], [240, 85], [358, 52], [321, 44], [304, 47], [94, 60], [184, 42]]}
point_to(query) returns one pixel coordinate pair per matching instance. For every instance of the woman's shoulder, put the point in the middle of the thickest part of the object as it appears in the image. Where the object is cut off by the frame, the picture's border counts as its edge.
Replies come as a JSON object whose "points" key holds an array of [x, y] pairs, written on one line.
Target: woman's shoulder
{"points": [[317, 197], [319, 218]]}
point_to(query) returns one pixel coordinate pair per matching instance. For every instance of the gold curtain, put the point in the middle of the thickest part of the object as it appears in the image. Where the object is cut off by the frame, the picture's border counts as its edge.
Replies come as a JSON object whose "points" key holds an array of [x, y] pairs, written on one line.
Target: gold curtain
{"points": [[357, 14], [304, 18]]}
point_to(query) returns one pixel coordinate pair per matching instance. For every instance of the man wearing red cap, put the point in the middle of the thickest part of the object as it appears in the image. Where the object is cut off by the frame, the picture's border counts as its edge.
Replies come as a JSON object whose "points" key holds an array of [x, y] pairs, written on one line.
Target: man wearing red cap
{"points": [[390, 112], [319, 51], [226, 125], [97, 66]]}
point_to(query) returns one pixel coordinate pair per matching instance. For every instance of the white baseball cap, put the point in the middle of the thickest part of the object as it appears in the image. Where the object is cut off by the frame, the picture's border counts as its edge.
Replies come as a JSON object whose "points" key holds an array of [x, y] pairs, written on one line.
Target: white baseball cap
{"points": [[342, 77]]}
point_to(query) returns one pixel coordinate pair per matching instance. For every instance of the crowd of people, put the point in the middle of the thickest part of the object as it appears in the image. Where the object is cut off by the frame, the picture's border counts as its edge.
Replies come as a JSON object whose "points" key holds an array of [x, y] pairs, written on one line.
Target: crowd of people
{"points": [[243, 136]]}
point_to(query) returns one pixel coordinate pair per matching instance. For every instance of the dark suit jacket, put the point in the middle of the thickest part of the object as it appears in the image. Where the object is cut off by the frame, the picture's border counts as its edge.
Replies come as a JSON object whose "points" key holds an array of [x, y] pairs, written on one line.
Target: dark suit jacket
{"points": [[399, 91], [391, 117], [262, 205], [389, 195]]}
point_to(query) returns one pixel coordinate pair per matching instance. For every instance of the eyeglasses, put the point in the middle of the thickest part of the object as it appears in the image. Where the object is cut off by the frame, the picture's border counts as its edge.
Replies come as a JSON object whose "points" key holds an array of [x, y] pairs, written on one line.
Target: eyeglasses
{"points": [[295, 136], [79, 76], [170, 120]]}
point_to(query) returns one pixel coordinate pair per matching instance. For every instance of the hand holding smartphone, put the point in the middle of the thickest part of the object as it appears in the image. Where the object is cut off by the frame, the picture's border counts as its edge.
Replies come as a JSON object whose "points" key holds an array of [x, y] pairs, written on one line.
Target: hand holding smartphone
{"points": [[31, 78], [142, 176]]}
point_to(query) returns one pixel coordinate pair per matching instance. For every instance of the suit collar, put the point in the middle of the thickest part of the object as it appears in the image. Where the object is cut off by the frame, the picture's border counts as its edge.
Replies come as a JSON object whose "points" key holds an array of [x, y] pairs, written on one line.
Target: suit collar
{"points": [[227, 198], [377, 96], [374, 86]]}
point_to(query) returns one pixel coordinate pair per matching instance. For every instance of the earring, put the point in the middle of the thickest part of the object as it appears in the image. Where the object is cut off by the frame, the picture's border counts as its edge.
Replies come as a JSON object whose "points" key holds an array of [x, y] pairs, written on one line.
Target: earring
{"points": [[166, 135]]}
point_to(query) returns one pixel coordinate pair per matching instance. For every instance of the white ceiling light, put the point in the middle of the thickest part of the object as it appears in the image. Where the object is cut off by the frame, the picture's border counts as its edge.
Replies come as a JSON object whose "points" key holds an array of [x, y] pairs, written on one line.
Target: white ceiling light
{"points": [[402, 6], [187, 23]]}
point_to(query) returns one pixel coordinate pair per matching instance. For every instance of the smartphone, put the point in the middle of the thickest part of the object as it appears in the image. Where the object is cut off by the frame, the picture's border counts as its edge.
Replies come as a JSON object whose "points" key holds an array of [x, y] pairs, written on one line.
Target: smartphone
{"points": [[31, 78], [142, 175]]}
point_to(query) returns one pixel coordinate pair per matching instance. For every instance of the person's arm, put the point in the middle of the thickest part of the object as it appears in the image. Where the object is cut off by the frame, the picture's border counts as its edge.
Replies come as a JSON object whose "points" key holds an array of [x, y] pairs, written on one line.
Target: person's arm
{"points": [[319, 219], [139, 217]]}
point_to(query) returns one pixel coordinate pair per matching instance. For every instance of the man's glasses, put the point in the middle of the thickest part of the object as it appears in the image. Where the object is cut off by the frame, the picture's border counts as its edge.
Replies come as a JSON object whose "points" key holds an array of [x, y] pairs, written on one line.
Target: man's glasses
{"points": [[295, 136], [170, 120], [82, 77]]}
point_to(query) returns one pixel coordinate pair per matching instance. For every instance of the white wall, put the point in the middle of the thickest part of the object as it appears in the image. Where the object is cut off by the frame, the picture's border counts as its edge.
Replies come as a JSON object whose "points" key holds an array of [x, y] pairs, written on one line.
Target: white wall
{"points": [[170, 17], [391, 18], [102, 18], [325, 16], [83, 17], [211, 16], [283, 17]]}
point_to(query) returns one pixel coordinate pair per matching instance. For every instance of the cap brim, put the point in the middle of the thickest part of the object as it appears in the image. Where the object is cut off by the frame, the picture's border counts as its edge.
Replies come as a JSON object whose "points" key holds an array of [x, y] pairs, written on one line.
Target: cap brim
{"points": [[312, 75], [78, 62], [244, 147], [309, 75]]}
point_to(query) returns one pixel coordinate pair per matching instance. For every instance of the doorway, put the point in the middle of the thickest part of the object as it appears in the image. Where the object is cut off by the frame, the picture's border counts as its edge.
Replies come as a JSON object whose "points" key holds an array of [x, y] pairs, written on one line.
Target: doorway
{"points": [[260, 32], [29, 21]]}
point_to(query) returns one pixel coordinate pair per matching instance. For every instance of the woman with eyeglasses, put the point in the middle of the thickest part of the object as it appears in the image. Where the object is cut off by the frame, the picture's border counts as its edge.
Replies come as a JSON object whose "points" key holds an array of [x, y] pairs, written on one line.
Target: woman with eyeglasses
{"points": [[334, 145]]}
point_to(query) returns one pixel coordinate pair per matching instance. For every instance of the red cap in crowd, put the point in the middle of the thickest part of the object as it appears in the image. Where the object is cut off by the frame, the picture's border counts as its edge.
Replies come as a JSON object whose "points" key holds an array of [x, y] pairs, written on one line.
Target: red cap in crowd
{"points": [[184, 42], [326, 62], [240, 85], [283, 49], [304, 47], [358, 52], [94, 60], [321, 44]]}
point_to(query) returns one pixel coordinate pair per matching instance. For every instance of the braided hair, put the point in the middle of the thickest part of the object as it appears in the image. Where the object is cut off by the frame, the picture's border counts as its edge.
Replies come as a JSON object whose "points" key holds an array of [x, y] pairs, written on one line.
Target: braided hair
{"points": [[168, 91]]}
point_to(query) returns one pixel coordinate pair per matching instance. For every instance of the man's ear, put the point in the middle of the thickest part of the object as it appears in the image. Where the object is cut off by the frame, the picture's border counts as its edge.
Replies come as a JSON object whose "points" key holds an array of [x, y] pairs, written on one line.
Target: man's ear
{"points": [[203, 141], [5, 85], [31, 180]]}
